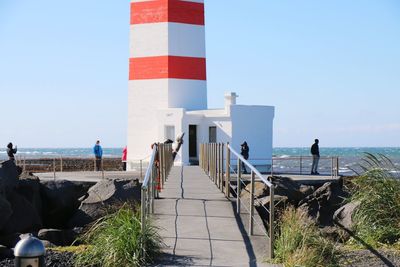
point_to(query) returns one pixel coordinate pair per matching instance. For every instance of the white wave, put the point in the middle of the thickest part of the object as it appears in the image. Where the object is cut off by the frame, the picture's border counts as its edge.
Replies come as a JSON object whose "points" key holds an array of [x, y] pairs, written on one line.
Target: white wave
{"points": [[284, 156]]}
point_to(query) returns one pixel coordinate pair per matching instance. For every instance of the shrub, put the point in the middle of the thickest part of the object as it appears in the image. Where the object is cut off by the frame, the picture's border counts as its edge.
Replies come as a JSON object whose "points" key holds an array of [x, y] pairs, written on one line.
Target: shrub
{"points": [[300, 243], [377, 220], [115, 240]]}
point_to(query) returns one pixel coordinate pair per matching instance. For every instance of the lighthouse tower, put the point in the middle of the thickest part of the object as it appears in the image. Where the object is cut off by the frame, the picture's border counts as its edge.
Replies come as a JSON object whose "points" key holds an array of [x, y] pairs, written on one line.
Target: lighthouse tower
{"points": [[167, 66], [168, 89]]}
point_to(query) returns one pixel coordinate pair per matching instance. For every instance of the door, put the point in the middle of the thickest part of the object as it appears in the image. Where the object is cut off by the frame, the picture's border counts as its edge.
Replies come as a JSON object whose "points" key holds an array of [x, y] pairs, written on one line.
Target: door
{"points": [[193, 141], [212, 134]]}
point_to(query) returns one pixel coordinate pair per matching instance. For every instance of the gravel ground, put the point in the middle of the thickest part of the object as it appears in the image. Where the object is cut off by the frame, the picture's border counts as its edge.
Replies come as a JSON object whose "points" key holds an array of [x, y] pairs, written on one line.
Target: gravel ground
{"points": [[365, 258], [53, 259]]}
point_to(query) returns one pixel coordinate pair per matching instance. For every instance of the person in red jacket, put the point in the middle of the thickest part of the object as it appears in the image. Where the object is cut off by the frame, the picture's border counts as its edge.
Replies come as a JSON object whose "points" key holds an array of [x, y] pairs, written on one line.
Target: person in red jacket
{"points": [[124, 155]]}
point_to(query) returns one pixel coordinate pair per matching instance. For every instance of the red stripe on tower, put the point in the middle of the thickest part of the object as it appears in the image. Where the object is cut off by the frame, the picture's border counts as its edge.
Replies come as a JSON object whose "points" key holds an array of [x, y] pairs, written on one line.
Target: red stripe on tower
{"points": [[162, 67], [167, 11]]}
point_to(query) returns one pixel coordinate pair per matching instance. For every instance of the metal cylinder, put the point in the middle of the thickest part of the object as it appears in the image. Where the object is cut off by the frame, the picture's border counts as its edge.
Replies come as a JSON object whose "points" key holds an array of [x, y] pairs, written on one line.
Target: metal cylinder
{"points": [[30, 252]]}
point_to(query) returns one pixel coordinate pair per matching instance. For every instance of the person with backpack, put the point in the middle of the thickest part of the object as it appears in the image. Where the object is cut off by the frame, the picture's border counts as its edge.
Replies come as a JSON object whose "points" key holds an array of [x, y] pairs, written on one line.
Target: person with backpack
{"points": [[244, 151]]}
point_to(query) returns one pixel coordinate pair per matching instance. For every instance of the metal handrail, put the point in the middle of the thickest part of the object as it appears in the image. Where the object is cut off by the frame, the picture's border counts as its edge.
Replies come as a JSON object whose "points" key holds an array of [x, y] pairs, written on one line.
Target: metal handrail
{"points": [[251, 167], [160, 164], [328, 164], [212, 162]]}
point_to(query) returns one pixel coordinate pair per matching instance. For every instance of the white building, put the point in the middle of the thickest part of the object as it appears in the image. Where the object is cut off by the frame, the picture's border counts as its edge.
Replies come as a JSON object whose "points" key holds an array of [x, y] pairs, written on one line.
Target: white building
{"points": [[168, 88]]}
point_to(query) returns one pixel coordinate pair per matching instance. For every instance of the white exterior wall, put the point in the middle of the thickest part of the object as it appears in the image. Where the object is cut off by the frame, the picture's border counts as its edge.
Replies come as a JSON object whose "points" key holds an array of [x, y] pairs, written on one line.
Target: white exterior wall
{"points": [[253, 124], [142, 115], [238, 123]]}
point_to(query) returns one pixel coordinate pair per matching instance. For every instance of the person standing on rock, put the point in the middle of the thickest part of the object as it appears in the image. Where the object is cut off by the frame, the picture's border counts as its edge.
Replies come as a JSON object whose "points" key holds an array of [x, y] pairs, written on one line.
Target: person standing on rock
{"points": [[315, 155], [98, 153], [11, 151], [244, 151], [124, 156]]}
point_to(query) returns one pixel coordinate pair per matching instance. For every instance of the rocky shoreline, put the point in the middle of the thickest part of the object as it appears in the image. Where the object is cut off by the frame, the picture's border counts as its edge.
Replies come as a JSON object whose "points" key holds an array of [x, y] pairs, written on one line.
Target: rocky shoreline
{"points": [[56, 211], [53, 259]]}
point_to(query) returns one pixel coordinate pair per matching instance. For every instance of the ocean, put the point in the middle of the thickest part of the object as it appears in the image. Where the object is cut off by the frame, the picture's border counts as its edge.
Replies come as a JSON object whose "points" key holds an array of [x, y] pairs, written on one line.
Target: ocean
{"points": [[349, 157]]}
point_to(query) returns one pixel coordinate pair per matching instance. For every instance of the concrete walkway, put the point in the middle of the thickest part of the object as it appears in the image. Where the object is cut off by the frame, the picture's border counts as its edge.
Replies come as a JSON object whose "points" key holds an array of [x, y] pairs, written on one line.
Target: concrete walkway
{"points": [[198, 224]]}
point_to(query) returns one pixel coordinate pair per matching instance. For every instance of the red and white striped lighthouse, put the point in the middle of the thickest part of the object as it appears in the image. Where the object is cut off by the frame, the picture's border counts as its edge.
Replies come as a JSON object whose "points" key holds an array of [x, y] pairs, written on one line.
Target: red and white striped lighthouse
{"points": [[167, 65]]}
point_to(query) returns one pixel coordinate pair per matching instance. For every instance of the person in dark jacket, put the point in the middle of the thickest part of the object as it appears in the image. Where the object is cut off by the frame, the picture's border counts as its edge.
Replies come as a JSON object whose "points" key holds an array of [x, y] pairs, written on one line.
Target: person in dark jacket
{"points": [[98, 153], [244, 151], [11, 151], [315, 155]]}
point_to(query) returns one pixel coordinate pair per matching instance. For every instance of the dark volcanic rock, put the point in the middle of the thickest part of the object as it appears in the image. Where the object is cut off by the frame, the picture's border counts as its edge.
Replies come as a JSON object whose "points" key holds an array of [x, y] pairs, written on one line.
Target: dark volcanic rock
{"points": [[260, 190], [24, 217], [53, 259], [102, 196], [30, 189], [262, 206], [5, 211], [285, 186], [10, 240], [6, 252], [322, 204], [8, 175], [344, 215], [60, 237], [60, 201]]}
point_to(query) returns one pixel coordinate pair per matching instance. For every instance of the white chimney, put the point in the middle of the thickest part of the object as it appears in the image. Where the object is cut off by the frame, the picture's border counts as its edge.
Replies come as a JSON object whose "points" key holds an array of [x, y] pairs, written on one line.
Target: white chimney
{"points": [[230, 99]]}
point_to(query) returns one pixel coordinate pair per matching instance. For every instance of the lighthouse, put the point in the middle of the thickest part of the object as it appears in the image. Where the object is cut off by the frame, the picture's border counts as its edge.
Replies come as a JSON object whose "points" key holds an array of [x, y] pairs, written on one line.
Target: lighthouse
{"points": [[168, 86]]}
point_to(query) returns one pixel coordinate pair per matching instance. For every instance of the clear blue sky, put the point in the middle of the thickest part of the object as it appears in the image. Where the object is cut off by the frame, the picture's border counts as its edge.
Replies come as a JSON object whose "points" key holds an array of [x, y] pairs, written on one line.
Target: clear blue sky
{"points": [[330, 68]]}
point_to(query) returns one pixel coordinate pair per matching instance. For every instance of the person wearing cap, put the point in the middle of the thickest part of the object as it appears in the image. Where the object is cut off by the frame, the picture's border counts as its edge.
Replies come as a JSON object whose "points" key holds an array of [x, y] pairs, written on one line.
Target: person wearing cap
{"points": [[244, 151]]}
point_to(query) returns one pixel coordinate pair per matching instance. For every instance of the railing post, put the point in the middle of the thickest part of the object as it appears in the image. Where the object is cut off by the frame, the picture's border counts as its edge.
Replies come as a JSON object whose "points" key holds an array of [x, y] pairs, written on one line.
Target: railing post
{"points": [[213, 162], [61, 164], [251, 222], [210, 161], [271, 221], [102, 168], [337, 167], [227, 171], [161, 165], [221, 168], [143, 208], [301, 164], [238, 186], [153, 182], [54, 168], [201, 156], [218, 164], [141, 170], [272, 167], [332, 166]]}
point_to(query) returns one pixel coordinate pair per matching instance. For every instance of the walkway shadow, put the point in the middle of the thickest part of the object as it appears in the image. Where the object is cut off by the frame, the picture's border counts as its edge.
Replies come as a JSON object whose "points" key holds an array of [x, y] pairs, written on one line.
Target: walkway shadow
{"points": [[385, 260], [246, 239], [167, 259]]}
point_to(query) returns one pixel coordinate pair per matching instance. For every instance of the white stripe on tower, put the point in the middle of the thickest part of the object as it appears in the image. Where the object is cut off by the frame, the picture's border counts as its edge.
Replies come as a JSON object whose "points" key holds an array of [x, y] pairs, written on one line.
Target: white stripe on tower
{"points": [[167, 65]]}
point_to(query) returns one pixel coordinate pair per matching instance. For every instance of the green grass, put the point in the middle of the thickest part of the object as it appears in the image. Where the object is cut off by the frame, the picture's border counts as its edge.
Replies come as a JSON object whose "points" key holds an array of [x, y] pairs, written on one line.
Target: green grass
{"points": [[377, 220], [115, 240], [299, 242]]}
